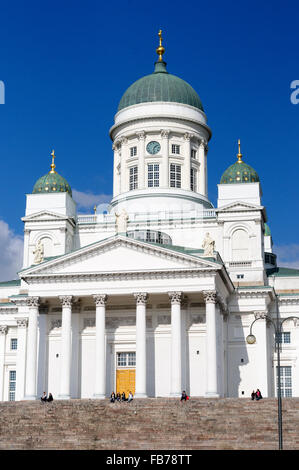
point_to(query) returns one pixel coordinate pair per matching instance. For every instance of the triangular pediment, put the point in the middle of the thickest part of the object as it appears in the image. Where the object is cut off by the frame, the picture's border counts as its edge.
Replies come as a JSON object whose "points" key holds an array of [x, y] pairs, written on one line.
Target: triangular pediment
{"points": [[44, 216], [239, 206], [120, 254]]}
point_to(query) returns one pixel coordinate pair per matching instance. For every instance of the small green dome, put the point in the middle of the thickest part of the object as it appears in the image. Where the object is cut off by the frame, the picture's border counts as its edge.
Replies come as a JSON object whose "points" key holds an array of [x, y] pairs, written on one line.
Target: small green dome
{"points": [[239, 172], [52, 183], [160, 86]]}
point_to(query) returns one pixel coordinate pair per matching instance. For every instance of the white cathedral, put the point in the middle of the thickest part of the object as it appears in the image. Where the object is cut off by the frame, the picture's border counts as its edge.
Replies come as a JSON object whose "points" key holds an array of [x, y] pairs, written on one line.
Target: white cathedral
{"points": [[158, 294]]}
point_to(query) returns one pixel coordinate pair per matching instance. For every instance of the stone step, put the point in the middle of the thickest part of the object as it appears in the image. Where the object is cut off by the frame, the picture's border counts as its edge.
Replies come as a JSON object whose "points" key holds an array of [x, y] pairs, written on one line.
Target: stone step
{"points": [[148, 424]]}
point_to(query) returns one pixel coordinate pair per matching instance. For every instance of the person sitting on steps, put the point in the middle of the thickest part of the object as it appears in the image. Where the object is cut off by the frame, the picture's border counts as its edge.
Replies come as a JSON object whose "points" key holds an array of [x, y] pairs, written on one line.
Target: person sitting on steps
{"points": [[184, 396], [50, 397]]}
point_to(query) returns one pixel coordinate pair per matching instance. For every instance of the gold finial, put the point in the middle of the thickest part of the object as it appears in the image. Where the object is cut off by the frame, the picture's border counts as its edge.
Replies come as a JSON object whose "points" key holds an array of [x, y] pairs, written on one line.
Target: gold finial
{"points": [[53, 166], [160, 50], [95, 209], [239, 154]]}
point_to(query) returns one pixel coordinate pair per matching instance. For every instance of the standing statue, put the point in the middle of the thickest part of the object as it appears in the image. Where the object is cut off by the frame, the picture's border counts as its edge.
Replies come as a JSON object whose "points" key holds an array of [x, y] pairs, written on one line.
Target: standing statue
{"points": [[208, 246], [38, 252], [121, 221]]}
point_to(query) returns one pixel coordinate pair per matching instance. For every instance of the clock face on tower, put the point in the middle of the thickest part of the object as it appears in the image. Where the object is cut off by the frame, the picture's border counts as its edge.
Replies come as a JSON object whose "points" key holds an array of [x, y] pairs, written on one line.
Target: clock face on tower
{"points": [[153, 147]]}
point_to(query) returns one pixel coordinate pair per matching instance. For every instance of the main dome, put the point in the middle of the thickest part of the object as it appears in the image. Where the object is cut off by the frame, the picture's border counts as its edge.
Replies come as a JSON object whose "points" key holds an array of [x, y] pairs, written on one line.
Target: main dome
{"points": [[160, 86]]}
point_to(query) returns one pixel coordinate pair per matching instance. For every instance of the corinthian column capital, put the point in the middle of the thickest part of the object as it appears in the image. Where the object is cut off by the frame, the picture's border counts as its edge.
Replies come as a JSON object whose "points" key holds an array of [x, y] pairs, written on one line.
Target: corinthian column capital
{"points": [[32, 301], [66, 300], [210, 296], [164, 133], [141, 135], [175, 297], [3, 329], [141, 298], [100, 299]]}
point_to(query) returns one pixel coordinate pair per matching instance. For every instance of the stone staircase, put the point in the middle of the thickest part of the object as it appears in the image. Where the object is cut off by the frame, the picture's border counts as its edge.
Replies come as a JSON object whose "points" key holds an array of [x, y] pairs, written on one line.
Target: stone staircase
{"points": [[148, 424]]}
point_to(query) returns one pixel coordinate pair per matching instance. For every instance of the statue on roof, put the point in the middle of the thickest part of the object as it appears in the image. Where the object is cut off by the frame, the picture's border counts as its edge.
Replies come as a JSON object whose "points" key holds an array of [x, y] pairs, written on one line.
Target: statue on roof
{"points": [[121, 221], [208, 246], [38, 252]]}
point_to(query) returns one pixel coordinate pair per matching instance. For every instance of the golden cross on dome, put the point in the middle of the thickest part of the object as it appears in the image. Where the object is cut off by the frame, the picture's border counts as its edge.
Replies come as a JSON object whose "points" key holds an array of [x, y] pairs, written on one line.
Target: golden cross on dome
{"points": [[160, 50], [239, 154], [53, 166]]}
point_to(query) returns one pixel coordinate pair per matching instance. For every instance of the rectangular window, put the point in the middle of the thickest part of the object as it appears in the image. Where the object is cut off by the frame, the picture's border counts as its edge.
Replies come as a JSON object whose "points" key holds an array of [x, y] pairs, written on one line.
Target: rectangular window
{"points": [[175, 149], [14, 343], [175, 175], [240, 276], [193, 179], [12, 385], [153, 175], [133, 151], [126, 359], [284, 337], [133, 177], [193, 154], [285, 381]]}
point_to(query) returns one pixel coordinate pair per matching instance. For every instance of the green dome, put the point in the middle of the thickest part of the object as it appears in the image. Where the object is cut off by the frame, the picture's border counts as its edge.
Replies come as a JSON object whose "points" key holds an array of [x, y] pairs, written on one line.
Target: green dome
{"points": [[160, 86], [267, 231], [239, 172], [52, 182]]}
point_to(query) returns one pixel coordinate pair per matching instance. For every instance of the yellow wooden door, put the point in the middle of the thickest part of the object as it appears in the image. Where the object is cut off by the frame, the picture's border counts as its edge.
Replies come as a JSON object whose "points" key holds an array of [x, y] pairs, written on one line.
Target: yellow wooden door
{"points": [[125, 381]]}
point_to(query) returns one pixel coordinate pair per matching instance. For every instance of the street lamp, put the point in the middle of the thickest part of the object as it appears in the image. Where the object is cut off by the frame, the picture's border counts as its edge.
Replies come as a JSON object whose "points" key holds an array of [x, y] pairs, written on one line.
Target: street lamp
{"points": [[251, 340]]}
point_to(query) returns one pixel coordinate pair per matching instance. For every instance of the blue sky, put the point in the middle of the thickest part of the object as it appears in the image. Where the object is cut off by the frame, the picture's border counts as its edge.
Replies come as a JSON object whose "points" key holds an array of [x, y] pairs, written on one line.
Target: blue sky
{"points": [[65, 66]]}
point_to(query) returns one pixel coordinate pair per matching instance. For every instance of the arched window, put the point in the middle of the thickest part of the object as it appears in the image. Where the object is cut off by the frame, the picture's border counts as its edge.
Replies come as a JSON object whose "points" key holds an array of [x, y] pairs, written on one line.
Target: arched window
{"points": [[240, 245]]}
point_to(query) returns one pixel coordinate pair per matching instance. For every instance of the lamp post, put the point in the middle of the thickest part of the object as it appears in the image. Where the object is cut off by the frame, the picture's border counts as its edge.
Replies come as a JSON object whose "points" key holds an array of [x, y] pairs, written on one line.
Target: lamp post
{"points": [[251, 340]]}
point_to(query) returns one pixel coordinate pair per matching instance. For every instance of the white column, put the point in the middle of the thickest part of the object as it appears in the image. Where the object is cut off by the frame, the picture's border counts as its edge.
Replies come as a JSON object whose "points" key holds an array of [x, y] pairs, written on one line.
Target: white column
{"points": [[124, 186], [140, 380], [206, 170], [100, 360], [116, 170], [202, 169], [141, 160], [66, 345], [261, 350], [176, 344], [186, 173], [3, 332], [21, 357], [31, 365], [211, 344], [164, 183]]}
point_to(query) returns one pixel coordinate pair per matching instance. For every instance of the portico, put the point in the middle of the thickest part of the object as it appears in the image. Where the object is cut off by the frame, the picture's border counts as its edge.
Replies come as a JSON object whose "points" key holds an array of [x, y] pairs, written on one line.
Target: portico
{"points": [[133, 308]]}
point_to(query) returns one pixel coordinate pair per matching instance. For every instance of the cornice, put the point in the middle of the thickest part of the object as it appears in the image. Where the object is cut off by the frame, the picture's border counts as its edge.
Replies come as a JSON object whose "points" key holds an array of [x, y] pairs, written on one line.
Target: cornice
{"points": [[288, 300], [119, 276]]}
